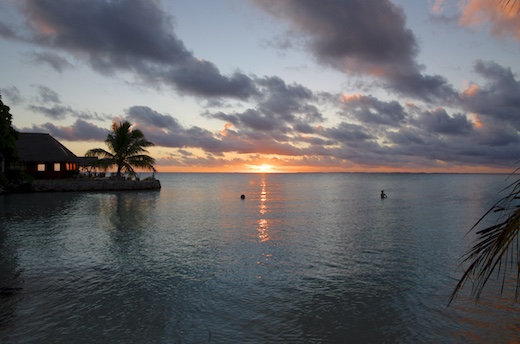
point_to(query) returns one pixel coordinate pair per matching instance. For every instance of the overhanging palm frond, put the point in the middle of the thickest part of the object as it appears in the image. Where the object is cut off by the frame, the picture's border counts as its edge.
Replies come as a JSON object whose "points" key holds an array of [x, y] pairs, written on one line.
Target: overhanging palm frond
{"points": [[496, 249], [510, 7]]}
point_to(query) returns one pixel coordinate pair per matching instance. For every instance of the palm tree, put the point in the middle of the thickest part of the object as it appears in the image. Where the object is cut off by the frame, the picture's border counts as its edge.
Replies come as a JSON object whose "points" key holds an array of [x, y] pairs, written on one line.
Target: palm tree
{"points": [[497, 247], [126, 148]]}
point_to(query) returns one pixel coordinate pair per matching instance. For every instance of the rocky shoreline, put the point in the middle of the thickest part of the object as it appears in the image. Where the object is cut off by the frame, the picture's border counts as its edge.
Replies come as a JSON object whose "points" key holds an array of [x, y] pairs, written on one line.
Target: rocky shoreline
{"points": [[87, 184]]}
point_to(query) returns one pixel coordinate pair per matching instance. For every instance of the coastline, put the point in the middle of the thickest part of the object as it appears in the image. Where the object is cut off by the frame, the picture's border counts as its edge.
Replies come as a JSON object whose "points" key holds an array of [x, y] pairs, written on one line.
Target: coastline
{"points": [[74, 185]]}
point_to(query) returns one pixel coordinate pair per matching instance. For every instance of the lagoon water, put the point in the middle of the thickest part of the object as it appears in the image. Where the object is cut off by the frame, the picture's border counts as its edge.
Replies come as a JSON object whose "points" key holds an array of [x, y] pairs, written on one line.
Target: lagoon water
{"points": [[304, 258]]}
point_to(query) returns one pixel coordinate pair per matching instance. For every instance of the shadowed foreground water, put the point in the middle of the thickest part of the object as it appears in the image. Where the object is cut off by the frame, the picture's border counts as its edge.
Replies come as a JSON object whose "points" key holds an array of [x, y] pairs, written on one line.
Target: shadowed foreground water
{"points": [[304, 258]]}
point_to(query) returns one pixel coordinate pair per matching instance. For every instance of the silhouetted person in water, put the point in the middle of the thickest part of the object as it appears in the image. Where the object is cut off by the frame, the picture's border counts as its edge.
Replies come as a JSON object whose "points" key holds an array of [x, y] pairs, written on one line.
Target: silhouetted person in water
{"points": [[383, 195]]}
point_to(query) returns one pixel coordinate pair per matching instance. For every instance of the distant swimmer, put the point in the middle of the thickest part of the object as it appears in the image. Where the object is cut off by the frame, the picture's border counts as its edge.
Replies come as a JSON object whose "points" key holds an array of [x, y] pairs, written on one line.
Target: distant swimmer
{"points": [[242, 196], [383, 195]]}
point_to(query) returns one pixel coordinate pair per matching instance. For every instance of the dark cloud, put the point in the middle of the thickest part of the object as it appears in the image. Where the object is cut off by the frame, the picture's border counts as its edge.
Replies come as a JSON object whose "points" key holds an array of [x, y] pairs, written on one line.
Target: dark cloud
{"points": [[203, 78], [6, 31], [280, 108], [49, 104], [204, 139], [55, 61], [429, 88], [88, 132], [150, 117], [428, 138], [233, 118], [164, 130], [494, 135], [485, 146], [11, 95], [408, 137], [288, 105], [498, 98], [85, 115], [110, 33], [366, 37], [253, 137], [56, 112], [304, 128], [340, 31], [371, 110], [346, 132], [282, 99], [47, 95], [184, 152], [79, 131], [257, 120], [124, 35], [438, 121]]}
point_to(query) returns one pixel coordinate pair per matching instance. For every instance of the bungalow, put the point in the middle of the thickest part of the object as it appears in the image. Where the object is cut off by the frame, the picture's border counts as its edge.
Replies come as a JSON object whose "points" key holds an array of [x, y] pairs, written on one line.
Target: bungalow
{"points": [[43, 157]]}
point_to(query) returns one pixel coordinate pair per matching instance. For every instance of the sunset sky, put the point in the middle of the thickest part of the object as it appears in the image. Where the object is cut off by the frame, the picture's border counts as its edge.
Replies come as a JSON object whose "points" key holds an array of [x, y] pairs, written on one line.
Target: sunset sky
{"points": [[270, 85]]}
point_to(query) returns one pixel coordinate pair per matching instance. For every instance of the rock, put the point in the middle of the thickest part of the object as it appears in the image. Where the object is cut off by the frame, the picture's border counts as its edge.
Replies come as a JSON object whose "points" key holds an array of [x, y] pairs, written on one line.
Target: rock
{"points": [[105, 184]]}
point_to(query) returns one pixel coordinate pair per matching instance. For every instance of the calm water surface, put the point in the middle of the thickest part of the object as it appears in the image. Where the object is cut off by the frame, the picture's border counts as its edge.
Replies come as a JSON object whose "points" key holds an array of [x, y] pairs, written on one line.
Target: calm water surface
{"points": [[304, 258]]}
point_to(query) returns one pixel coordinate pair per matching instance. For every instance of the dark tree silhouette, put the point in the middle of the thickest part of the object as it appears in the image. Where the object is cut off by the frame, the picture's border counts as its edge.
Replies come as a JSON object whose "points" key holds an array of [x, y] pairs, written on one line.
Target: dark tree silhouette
{"points": [[126, 150], [8, 136]]}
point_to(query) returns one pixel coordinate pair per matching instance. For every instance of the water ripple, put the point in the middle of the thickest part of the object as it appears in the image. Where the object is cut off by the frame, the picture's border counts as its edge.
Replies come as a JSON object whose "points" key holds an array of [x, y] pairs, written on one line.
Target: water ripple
{"points": [[304, 258]]}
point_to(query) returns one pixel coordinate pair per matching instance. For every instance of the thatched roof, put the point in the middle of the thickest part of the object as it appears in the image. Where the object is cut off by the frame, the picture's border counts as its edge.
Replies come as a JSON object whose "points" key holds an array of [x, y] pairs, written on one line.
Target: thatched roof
{"points": [[39, 147]]}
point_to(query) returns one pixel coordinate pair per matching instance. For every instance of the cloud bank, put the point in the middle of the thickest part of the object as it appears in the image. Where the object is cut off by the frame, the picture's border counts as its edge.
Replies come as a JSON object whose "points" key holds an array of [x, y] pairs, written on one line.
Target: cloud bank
{"points": [[425, 123]]}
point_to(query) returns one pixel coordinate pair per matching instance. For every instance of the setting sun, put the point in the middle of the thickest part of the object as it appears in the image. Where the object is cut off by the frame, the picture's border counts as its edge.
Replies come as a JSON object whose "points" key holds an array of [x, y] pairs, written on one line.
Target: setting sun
{"points": [[265, 168]]}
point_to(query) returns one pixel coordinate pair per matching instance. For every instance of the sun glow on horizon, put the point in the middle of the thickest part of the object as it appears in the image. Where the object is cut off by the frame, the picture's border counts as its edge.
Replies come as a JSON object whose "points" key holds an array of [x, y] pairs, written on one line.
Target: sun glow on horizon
{"points": [[265, 168]]}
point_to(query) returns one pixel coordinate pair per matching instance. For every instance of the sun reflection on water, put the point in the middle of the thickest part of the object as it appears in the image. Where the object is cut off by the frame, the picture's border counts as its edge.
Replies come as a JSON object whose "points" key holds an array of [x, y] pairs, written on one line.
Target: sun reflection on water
{"points": [[263, 224]]}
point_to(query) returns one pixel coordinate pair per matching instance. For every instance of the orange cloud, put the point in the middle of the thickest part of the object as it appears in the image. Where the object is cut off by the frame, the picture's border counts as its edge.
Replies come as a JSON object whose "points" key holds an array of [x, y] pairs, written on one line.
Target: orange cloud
{"points": [[378, 72], [476, 120], [438, 6], [227, 127], [503, 15], [350, 97], [44, 27], [470, 90]]}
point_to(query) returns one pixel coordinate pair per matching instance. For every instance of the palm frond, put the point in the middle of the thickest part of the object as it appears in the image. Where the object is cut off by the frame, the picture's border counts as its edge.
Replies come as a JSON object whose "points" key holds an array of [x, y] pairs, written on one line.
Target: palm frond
{"points": [[510, 6], [99, 152], [103, 164], [128, 168], [142, 161], [496, 249]]}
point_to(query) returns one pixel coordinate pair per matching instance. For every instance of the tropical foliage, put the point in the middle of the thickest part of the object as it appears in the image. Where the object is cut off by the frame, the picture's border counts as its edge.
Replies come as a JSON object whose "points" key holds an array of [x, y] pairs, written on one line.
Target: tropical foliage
{"points": [[126, 150], [8, 135], [510, 6], [496, 249]]}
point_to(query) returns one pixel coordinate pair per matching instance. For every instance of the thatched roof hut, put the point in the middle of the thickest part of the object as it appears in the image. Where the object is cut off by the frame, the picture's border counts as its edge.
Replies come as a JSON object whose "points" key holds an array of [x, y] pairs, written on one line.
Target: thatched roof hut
{"points": [[42, 156]]}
